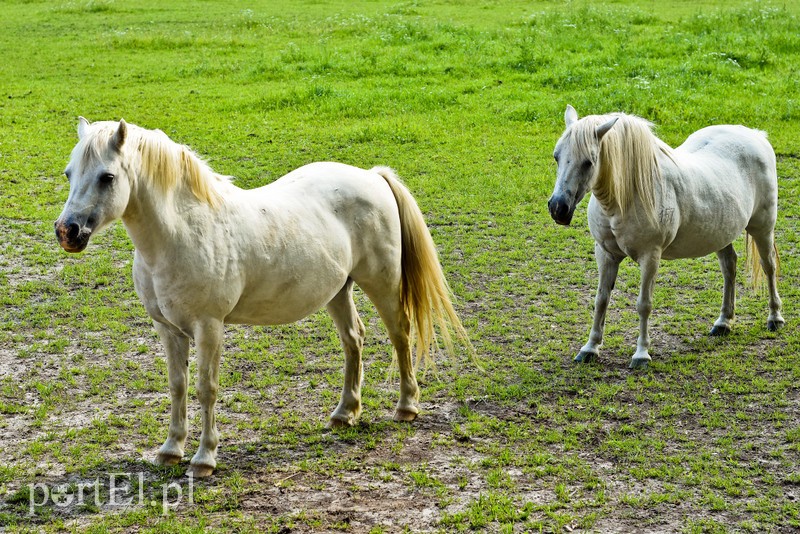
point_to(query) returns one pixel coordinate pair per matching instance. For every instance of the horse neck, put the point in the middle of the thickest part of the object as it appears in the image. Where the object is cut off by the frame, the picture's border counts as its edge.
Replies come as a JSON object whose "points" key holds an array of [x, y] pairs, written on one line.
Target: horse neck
{"points": [[175, 195], [159, 224]]}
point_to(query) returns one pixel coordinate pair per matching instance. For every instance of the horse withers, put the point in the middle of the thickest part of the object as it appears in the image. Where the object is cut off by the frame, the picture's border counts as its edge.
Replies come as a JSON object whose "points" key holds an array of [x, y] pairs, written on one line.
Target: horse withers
{"points": [[209, 253], [651, 202]]}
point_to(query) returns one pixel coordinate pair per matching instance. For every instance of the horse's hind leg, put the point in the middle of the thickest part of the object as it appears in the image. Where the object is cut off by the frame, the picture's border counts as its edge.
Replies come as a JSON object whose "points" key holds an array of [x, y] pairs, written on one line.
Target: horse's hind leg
{"points": [[351, 332], [769, 262], [727, 262], [407, 407], [387, 301]]}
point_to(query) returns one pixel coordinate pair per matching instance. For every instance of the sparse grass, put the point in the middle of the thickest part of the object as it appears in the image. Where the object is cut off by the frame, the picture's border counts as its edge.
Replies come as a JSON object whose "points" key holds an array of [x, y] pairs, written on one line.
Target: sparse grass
{"points": [[465, 100]]}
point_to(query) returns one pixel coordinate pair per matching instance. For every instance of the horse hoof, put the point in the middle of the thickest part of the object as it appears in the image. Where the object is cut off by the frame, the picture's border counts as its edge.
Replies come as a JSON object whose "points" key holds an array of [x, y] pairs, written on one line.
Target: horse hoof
{"points": [[337, 422], [404, 415], [639, 363], [585, 356], [200, 471], [774, 326], [167, 460], [720, 330]]}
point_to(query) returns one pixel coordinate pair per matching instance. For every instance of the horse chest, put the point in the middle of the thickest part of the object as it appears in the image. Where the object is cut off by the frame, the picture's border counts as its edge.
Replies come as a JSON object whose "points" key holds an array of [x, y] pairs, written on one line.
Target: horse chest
{"points": [[605, 232], [177, 298]]}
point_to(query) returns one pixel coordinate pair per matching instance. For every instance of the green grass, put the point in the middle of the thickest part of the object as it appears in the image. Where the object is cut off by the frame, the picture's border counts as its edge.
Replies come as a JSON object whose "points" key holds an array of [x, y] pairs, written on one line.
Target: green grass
{"points": [[465, 100]]}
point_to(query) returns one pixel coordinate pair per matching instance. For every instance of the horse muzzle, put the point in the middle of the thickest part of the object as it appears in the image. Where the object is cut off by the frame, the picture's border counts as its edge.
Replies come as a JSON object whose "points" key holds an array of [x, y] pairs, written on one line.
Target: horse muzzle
{"points": [[72, 236], [560, 210]]}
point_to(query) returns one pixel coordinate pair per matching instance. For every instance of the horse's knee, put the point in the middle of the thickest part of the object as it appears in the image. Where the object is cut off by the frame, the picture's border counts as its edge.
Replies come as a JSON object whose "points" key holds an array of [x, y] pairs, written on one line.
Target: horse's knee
{"points": [[207, 393], [359, 333], [177, 387]]}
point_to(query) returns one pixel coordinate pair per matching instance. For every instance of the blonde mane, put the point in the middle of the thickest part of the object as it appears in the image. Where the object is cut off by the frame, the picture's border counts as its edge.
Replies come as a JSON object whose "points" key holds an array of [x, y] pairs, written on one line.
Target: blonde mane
{"points": [[166, 164], [627, 161]]}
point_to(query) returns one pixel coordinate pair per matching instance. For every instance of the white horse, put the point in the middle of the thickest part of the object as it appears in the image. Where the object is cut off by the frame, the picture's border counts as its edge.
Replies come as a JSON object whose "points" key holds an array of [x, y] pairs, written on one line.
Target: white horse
{"points": [[651, 202], [209, 253]]}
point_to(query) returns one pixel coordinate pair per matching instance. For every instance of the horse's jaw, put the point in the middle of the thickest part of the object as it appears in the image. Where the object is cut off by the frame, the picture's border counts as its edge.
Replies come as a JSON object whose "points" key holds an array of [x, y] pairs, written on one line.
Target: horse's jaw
{"points": [[75, 249], [564, 220]]}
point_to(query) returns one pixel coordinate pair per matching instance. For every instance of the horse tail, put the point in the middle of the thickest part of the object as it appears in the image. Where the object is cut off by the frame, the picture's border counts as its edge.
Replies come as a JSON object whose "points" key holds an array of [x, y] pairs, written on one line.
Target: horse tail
{"points": [[424, 292], [753, 262]]}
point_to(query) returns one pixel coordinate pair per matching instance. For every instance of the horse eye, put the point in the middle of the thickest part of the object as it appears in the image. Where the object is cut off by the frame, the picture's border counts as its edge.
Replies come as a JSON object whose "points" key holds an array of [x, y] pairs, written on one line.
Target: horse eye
{"points": [[586, 164], [106, 178]]}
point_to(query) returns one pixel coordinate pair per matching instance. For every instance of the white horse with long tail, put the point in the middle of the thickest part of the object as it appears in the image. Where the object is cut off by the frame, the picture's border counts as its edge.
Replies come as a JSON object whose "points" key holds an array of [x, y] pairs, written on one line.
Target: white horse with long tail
{"points": [[651, 202], [209, 253]]}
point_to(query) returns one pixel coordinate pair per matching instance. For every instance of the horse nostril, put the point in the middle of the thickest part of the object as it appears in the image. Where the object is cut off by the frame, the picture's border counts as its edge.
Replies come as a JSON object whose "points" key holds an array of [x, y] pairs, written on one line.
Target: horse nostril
{"points": [[73, 231], [557, 206]]}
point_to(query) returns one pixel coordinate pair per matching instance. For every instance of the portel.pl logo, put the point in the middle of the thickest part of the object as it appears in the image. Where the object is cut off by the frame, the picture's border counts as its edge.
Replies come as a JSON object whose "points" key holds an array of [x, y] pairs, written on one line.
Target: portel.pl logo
{"points": [[118, 490]]}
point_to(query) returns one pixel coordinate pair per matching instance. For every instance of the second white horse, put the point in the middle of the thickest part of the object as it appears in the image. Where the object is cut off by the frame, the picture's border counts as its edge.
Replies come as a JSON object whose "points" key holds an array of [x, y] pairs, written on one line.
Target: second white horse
{"points": [[651, 202]]}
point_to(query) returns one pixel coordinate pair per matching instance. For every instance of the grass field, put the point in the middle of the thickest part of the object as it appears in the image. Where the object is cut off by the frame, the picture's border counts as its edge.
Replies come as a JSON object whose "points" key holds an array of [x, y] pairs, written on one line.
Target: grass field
{"points": [[465, 99]]}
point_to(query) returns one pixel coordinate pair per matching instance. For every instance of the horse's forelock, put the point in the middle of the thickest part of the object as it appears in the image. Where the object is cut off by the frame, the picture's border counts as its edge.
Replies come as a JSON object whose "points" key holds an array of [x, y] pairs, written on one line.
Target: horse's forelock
{"points": [[581, 137], [95, 144]]}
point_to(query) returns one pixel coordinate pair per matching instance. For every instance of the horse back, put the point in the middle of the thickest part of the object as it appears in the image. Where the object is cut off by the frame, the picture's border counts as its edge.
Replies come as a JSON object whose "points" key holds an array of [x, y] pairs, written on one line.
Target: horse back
{"points": [[740, 149], [327, 200]]}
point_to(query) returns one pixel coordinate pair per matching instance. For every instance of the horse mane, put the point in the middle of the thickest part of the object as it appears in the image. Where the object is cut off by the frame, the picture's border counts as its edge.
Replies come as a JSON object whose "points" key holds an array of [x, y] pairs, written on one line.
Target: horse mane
{"points": [[627, 161], [163, 162]]}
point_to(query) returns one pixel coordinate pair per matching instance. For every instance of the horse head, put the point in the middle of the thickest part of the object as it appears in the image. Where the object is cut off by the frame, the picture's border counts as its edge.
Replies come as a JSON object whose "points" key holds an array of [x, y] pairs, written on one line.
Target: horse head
{"points": [[99, 183], [576, 155]]}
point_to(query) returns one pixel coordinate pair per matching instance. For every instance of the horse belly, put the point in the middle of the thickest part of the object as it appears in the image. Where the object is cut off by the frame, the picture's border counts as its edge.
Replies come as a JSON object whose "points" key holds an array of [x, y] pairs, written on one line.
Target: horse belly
{"points": [[274, 311], [280, 296], [694, 248], [704, 237]]}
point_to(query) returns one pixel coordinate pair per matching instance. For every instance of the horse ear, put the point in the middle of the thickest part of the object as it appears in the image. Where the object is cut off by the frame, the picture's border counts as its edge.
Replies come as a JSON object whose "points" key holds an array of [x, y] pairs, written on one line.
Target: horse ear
{"points": [[120, 135], [570, 116], [83, 127], [604, 128]]}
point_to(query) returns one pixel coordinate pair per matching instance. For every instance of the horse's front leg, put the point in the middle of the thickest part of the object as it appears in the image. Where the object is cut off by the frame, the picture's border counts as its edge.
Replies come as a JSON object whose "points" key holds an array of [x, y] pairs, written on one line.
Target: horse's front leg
{"points": [[608, 267], [727, 262], [208, 342], [644, 305], [177, 349]]}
